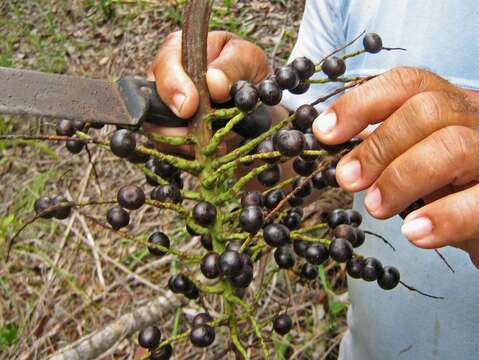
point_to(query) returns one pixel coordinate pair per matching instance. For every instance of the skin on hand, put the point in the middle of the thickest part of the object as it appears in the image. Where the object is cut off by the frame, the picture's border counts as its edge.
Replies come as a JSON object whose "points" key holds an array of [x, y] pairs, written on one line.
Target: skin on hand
{"points": [[229, 58], [426, 146]]}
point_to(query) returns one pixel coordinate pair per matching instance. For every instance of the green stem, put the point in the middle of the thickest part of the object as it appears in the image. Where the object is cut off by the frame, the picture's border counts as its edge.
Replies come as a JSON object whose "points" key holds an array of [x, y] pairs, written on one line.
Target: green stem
{"points": [[221, 114], [176, 323], [192, 166], [171, 140], [310, 229], [345, 57], [170, 206], [257, 331], [221, 133], [243, 150], [241, 183]]}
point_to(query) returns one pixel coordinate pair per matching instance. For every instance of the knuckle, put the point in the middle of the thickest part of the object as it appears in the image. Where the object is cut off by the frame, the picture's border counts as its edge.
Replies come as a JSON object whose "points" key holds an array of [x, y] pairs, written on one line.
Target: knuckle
{"points": [[409, 78], [374, 149], [456, 143], [428, 106]]}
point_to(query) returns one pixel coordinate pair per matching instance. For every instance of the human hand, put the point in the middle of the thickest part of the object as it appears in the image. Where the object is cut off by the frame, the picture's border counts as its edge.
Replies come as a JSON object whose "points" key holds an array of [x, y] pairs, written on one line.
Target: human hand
{"points": [[229, 58], [426, 146]]}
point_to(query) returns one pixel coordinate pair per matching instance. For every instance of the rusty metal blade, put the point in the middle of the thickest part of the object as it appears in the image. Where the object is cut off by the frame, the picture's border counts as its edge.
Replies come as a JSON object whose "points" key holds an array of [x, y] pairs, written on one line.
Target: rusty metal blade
{"points": [[25, 92]]}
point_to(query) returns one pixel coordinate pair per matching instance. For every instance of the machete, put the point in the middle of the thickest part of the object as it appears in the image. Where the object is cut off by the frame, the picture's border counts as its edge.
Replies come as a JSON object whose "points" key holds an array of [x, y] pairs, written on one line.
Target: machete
{"points": [[126, 102]]}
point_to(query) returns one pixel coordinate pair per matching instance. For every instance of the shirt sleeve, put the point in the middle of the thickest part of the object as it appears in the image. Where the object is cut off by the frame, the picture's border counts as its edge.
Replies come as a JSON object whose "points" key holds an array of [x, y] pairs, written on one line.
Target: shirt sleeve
{"points": [[320, 33]]}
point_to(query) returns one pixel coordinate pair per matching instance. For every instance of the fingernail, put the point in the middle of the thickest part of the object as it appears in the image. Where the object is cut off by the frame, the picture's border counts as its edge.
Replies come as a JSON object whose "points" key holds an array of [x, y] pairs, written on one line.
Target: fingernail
{"points": [[178, 102], [373, 199], [326, 122], [417, 229], [350, 172]]}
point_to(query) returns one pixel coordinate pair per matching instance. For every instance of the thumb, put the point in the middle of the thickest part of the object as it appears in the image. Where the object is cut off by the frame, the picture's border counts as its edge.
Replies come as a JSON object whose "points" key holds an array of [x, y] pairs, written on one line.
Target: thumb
{"points": [[174, 86], [237, 60]]}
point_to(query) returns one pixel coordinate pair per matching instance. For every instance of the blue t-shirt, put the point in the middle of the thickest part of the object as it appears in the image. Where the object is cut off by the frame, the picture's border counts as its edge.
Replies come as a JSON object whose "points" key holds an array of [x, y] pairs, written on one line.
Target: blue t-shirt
{"points": [[440, 35]]}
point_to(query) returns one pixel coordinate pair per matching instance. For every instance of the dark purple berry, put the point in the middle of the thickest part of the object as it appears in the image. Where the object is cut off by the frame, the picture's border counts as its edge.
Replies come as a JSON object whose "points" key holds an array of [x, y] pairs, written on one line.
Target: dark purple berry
{"points": [[42, 204], [282, 324], [336, 218], [354, 267], [360, 238], [264, 147], [271, 176], [230, 263], [251, 219], [372, 269], [304, 67], [163, 353], [284, 257], [166, 193], [273, 198], [65, 128], [158, 238], [304, 117], [131, 197], [201, 319], [329, 176], [286, 77], [122, 143], [252, 198], [62, 212], [75, 146], [389, 279], [118, 217], [304, 167], [243, 279], [345, 231], [300, 247], [207, 241], [290, 143], [304, 186], [78, 125], [238, 85], [246, 98], [210, 265], [149, 337], [309, 272], [180, 284], [316, 254], [333, 67], [372, 43], [292, 220], [270, 92], [192, 293], [276, 235], [302, 87], [318, 181], [204, 213], [255, 123], [355, 217], [296, 200], [340, 250], [202, 336]]}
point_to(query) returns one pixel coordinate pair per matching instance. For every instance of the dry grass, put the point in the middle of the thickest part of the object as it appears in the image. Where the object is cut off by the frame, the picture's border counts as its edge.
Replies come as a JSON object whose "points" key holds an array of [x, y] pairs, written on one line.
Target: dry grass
{"points": [[68, 278]]}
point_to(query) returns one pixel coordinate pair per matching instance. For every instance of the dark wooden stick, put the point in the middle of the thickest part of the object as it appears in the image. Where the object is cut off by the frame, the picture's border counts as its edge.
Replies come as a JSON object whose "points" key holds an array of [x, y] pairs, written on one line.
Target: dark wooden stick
{"points": [[194, 50]]}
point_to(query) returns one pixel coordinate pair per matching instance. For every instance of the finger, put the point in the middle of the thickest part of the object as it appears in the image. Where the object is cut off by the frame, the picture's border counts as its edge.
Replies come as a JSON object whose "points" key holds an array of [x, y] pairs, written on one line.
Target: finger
{"points": [[419, 117], [173, 84], [372, 102], [448, 156], [450, 220], [237, 60]]}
